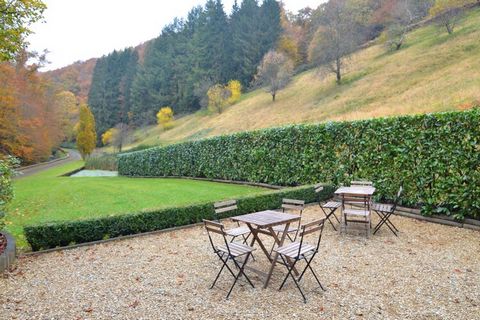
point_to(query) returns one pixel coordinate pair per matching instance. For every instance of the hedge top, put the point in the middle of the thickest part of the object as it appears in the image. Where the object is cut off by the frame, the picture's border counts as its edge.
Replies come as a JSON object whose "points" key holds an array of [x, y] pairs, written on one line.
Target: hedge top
{"points": [[435, 156]]}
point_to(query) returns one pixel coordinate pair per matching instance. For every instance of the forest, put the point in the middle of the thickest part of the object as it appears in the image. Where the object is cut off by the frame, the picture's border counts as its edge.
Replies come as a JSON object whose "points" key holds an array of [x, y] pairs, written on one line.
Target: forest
{"points": [[191, 65]]}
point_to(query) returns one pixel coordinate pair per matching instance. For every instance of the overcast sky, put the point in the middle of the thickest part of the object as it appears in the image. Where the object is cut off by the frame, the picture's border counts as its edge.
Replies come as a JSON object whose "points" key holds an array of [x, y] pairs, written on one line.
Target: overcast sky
{"points": [[76, 30]]}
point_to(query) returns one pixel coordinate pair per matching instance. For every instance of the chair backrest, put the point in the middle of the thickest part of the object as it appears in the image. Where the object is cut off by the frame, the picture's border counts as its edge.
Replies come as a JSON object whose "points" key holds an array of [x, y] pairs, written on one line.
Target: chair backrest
{"points": [[357, 200], [293, 205], [397, 199], [309, 228], [363, 183], [214, 227], [224, 206]]}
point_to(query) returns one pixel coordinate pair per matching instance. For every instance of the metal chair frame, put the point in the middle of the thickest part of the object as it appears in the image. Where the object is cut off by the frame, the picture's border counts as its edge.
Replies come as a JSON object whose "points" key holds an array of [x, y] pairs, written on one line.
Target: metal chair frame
{"points": [[361, 201], [215, 227], [228, 206], [385, 215], [331, 209], [315, 226]]}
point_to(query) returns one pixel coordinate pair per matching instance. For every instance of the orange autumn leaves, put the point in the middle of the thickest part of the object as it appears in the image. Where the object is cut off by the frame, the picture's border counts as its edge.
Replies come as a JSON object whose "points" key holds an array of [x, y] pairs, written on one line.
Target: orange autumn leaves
{"points": [[31, 122]]}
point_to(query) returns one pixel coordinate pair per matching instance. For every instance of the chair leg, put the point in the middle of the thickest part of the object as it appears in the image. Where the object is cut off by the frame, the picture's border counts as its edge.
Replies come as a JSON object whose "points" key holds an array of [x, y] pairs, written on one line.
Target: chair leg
{"points": [[308, 266], [240, 272], [385, 220], [293, 278], [332, 212], [221, 269]]}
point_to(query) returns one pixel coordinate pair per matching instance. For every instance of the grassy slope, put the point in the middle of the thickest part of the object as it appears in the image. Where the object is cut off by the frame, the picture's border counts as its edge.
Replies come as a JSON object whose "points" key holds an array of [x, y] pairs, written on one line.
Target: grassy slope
{"points": [[46, 197], [433, 72]]}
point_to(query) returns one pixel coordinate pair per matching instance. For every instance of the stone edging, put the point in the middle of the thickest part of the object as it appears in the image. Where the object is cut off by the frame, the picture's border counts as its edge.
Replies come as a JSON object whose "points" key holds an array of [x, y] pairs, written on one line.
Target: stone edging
{"points": [[8, 257], [130, 236], [253, 184]]}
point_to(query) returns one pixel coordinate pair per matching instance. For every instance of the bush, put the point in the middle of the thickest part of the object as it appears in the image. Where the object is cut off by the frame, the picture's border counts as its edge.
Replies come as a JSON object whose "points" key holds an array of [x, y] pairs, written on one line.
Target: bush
{"points": [[7, 171], [56, 234], [102, 162], [435, 156]]}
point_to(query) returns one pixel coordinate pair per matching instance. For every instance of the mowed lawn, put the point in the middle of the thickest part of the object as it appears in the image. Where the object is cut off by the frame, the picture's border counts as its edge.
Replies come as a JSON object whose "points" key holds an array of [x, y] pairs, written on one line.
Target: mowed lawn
{"points": [[46, 197]]}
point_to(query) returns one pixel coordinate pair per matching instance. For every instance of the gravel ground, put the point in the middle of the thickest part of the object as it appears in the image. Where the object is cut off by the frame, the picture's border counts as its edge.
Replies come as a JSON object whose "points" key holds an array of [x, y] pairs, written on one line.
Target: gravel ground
{"points": [[430, 272]]}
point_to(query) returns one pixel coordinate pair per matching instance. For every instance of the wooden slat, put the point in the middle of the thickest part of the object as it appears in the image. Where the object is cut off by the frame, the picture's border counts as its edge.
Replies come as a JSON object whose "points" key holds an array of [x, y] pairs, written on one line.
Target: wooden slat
{"points": [[293, 201], [226, 209], [313, 223], [213, 223], [318, 185], [267, 218], [319, 189], [312, 230], [361, 183], [225, 203], [215, 230], [292, 206]]}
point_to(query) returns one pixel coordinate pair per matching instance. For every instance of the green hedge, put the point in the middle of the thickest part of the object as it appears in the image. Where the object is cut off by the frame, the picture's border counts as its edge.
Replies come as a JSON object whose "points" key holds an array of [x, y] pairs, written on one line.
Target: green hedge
{"points": [[435, 156], [59, 234]]}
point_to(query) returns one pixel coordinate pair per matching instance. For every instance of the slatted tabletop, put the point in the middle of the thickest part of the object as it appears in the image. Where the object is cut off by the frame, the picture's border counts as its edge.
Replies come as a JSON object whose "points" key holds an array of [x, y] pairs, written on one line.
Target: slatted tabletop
{"points": [[357, 190], [268, 218]]}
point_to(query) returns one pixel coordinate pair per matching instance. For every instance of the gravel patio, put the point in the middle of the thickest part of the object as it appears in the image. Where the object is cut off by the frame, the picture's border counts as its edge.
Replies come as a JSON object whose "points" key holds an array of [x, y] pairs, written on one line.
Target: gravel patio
{"points": [[430, 272]]}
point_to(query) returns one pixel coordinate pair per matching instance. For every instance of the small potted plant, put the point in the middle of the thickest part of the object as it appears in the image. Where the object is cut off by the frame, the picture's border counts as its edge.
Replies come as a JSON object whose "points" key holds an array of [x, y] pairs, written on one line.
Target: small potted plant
{"points": [[7, 243]]}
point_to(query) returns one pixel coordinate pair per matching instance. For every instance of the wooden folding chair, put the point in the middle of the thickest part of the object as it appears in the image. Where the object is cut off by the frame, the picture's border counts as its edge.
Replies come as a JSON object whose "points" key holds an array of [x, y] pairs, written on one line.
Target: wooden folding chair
{"points": [[228, 251], [358, 210], [361, 183], [297, 251], [239, 231], [330, 207], [293, 206], [384, 211]]}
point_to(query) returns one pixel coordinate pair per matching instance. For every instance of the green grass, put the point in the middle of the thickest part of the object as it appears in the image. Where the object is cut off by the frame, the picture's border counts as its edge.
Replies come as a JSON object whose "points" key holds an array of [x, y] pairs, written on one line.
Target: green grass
{"points": [[433, 72], [46, 197]]}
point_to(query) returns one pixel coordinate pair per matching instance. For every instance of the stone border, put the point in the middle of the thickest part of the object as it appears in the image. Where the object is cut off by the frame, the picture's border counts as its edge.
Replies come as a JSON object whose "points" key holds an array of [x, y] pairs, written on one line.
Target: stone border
{"points": [[70, 173], [130, 236], [253, 184], [8, 257], [413, 213]]}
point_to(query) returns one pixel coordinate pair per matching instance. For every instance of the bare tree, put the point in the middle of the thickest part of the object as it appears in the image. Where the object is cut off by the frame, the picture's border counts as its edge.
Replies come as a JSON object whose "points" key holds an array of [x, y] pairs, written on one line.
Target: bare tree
{"points": [[447, 13], [403, 14], [336, 38], [275, 72], [120, 138]]}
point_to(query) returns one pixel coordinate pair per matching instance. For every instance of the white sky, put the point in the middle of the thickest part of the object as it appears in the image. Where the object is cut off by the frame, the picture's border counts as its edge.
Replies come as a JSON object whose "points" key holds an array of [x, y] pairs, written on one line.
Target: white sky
{"points": [[76, 30]]}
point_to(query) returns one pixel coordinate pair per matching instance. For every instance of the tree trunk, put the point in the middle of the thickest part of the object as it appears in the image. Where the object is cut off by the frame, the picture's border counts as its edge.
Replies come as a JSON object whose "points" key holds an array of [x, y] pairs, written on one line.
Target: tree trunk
{"points": [[273, 96], [449, 27], [338, 71]]}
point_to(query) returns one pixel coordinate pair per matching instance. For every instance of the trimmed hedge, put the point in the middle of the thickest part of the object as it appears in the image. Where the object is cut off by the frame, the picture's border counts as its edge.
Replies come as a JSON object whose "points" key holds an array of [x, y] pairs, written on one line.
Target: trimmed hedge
{"points": [[435, 156], [59, 234]]}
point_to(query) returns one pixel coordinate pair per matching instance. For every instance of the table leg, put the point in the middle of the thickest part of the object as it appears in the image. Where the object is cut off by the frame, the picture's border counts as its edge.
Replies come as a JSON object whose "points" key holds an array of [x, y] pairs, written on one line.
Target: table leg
{"points": [[275, 255], [254, 232]]}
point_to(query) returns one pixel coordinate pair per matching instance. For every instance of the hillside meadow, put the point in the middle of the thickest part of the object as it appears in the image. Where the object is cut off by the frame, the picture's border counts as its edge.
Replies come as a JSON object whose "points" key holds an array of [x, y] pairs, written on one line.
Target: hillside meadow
{"points": [[433, 72]]}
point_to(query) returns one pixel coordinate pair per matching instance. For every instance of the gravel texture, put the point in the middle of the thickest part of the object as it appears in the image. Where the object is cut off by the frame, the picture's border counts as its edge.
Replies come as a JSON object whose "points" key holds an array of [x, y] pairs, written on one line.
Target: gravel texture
{"points": [[429, 272]]}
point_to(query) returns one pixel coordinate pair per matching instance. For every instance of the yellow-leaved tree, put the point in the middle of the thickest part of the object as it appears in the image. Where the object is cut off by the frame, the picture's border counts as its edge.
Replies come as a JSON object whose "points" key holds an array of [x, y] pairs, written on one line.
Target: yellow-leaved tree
{"points": [[108, 136], [86, 135], [218, 97], [165, 118], [235, 88]]}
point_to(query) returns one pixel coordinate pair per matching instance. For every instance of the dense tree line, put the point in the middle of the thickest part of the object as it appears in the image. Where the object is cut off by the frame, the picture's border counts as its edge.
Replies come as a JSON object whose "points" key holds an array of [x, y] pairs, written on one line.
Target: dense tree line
{"points": [[209, 48], [191, 55]]}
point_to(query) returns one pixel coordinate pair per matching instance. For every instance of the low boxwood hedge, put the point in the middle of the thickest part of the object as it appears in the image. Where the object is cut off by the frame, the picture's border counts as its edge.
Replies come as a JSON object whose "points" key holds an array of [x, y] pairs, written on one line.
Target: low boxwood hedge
{"points": [[59, 234], [436, 157]]}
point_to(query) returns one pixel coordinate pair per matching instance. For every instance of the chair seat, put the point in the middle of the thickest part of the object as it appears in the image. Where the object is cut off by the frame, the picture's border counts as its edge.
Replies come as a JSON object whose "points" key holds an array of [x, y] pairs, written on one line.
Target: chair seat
{"points": [[239, 231], [382, 207], [357, 212], [282, 228], [331, 205], [236, 249], [291, 250]]}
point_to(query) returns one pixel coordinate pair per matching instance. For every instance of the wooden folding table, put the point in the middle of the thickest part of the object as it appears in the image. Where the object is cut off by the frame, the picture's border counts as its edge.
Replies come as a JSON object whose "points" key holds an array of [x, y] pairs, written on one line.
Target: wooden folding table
{"points": [[263, 223]]}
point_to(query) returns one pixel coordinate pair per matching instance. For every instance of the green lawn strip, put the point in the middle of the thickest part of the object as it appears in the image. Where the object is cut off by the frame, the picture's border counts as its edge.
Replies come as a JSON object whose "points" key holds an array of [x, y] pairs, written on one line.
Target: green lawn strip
{"points": [[46, 197]]}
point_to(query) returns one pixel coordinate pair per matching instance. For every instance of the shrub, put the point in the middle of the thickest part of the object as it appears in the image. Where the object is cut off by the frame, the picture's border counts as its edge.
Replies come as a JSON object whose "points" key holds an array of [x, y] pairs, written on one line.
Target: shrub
{"points": [[102, 162], [6, 188], [56, 234], [435, 156]]}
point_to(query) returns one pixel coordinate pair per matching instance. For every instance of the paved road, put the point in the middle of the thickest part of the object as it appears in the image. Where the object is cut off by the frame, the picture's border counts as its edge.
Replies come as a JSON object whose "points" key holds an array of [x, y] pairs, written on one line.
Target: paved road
{"points": [[73, 156]]}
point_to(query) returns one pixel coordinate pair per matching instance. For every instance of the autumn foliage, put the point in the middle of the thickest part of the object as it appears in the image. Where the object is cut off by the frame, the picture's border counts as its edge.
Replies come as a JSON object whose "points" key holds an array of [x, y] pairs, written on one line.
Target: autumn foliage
{"points": [[86, 135], [165, 118], [31, 122]]}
